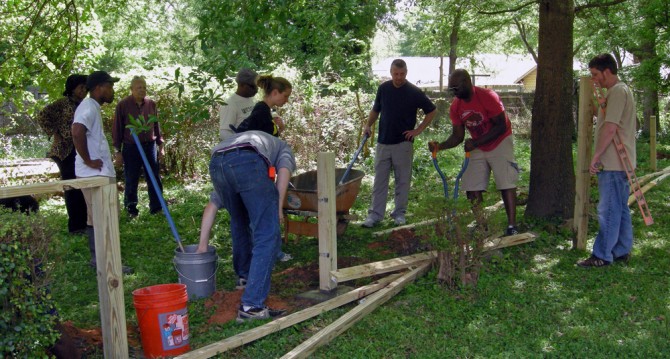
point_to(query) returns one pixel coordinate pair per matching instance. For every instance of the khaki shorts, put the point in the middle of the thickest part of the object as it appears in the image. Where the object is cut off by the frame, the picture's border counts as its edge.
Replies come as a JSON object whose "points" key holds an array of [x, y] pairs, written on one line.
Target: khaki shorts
{"points": [[500, 161]]}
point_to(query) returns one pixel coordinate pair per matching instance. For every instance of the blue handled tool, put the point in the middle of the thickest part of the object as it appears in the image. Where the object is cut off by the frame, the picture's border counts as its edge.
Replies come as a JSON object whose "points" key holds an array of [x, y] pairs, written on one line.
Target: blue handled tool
{"points": [[439, 171], [158, 190], [464, 166], [351, 164]]}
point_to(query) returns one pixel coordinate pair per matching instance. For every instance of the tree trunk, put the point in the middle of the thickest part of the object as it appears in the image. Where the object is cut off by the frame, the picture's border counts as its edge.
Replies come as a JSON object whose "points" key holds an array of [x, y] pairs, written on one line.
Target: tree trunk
{"points": [[650, 77], [453, 40], [552, 175]]}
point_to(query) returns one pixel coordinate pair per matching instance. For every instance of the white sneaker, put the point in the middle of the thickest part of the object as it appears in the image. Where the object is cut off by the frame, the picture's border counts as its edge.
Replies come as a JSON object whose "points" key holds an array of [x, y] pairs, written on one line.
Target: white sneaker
{"points": [[400, 221], [287, 257], [369, 223]]}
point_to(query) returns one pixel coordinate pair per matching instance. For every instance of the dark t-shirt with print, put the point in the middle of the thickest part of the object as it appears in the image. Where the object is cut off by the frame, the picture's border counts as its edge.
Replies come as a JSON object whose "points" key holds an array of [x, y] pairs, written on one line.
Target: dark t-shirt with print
{"points": [[398, 108]]}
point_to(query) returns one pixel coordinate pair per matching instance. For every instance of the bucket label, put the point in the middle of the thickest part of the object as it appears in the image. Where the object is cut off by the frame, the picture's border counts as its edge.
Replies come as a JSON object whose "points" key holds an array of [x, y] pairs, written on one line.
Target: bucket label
{"points": [[174, 329], [293, 201]]}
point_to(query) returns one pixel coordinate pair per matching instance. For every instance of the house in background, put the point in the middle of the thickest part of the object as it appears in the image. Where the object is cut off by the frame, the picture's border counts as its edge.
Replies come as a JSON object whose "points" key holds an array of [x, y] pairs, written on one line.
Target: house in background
{"points": [[505, 73]]}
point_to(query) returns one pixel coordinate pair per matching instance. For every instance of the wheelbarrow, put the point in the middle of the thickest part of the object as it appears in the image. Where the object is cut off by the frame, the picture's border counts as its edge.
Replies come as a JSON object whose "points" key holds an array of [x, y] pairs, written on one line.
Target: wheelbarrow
{"points": [[302, 200]]}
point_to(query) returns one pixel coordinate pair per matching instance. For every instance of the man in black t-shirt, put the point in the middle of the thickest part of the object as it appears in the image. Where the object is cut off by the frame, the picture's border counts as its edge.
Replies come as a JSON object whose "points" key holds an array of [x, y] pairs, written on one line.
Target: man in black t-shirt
{"points": [[398, 101]]}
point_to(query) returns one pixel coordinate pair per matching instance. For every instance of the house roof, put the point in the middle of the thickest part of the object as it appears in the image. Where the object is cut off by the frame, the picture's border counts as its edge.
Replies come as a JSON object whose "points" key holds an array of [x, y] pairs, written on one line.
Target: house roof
{"points": [[424, 71]]}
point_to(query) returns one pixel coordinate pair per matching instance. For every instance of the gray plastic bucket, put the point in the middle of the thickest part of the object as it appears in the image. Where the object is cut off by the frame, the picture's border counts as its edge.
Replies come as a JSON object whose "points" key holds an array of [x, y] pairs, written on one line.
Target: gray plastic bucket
{"points": [[197, 270]]}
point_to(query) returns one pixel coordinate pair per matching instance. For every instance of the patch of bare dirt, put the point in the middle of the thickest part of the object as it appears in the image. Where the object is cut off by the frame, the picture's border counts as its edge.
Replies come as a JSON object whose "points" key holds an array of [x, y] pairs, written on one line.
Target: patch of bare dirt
{"points": [[401, 242], [225, 305]]}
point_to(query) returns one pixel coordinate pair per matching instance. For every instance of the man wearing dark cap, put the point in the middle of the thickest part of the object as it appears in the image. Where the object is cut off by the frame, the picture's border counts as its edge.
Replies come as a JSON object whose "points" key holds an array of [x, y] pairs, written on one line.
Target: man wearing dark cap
{"points": [[56, 121], [93, 155], [239, 105]]}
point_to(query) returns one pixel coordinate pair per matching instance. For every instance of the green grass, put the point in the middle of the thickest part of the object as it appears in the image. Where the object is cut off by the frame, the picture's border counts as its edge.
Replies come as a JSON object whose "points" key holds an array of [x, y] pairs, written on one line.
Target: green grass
{"points": [[530, 302]]}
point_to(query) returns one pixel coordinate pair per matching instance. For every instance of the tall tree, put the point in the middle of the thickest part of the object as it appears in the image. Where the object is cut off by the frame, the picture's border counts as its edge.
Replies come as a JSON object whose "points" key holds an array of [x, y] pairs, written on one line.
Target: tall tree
{"points": [[330, 37], [552, 181]]}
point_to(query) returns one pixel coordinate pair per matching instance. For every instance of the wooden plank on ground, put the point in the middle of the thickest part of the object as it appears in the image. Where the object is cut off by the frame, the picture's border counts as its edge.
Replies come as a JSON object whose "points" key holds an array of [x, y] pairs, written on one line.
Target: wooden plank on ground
{"points": [[350, 318], [648, 186], [508, 241], [56, 186], [385, 266], [287, 321], [28, 168], [491, 208], [646, 178]]}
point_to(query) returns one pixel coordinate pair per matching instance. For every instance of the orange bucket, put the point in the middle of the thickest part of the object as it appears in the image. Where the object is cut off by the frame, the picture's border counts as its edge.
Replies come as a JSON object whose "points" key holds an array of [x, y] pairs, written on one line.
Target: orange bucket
{"points": [[163, 319]]}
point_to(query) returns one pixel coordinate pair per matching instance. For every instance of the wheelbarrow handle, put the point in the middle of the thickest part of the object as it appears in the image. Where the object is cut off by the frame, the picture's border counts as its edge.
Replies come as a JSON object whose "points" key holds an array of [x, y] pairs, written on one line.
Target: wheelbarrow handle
{"points": [[353, 160]]}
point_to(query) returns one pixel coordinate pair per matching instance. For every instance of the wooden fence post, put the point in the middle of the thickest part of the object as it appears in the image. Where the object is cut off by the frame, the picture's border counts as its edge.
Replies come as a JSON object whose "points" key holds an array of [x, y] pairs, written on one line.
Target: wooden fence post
{"points": [[109, 273], [583, 178], [652, 143], [327, 220]]}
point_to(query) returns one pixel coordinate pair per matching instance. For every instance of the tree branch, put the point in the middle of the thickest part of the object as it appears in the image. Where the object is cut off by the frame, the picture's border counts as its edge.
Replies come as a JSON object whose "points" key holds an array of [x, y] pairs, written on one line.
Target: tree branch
{"points": [[593, 5], [522, 34], [508, 10]]}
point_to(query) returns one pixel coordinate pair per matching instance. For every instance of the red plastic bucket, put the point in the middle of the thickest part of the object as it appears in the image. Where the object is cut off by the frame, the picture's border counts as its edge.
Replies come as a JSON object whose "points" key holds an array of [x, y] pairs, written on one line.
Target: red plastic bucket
{"points": [[163, 319]]}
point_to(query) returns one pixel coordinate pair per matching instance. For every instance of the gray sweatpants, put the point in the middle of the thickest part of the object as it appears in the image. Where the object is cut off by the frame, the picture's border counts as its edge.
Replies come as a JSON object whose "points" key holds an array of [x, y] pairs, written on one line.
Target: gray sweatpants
{"points": [[398, 158]]}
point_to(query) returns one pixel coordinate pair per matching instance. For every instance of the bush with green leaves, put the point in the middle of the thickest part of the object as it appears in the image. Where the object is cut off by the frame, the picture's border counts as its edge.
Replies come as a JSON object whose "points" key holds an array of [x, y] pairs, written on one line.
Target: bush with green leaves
{"points": [[27, 310], [458, 235]]}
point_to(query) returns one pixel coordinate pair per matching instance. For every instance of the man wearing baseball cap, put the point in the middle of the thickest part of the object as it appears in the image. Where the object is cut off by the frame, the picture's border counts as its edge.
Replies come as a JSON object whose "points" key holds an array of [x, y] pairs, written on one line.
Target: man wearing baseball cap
{"points": [[239, 105], [93, 155]]}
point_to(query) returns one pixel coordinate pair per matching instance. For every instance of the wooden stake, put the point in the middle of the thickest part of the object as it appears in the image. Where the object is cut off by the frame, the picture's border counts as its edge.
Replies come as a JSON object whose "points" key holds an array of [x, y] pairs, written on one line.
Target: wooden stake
{"points": [[346, 321], [327, 220], [582, 175], [109, 272], [385, 266], [287, 321]]}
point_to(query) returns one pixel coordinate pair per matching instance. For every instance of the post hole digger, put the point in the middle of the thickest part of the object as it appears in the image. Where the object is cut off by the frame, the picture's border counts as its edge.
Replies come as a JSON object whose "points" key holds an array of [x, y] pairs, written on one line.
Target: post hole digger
{"points": [[464, 166]]}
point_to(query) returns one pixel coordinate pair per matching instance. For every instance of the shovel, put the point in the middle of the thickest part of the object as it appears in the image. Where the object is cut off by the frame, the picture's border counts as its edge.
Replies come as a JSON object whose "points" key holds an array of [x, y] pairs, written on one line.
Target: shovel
{"points": [[158, 190], [351, 164]]}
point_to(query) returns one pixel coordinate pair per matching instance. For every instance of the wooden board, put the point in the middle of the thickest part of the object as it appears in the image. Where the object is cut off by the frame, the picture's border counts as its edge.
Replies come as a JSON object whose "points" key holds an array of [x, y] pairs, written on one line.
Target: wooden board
{"points": [[350, 318], [508, 241], [385, 266], [56, 186], [582, 175], [287, 321]]}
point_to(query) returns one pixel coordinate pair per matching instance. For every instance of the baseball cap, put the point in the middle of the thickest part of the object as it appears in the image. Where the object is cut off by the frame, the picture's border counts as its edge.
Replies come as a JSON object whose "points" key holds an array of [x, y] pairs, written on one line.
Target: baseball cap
{"points": [[99, 77], [246, 76]]}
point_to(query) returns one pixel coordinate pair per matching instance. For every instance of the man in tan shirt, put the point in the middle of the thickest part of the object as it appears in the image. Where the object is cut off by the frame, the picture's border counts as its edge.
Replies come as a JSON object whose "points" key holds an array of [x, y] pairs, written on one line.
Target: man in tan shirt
{"points": [[616, 117]]}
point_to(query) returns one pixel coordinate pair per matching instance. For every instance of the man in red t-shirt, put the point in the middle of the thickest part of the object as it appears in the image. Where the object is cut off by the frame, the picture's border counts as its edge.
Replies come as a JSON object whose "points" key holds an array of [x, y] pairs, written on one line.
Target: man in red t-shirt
{"points": [[491, 143]]}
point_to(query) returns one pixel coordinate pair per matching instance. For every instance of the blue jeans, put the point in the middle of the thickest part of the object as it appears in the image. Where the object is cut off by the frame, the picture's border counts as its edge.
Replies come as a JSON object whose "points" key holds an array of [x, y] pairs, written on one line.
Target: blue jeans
{"points": [[615, 236], [241, 180], [132, 164]]}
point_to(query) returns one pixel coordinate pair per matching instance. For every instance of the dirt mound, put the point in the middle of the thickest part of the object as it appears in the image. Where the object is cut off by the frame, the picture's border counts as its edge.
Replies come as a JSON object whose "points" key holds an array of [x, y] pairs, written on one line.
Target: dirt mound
{"points": [[401, 242], [225, 305]]}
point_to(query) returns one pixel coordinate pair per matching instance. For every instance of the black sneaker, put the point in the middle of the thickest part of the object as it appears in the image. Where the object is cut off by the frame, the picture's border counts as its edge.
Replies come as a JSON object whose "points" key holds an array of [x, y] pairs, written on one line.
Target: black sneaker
{"points": [[593, 261], [258, 313], [511, 231]]}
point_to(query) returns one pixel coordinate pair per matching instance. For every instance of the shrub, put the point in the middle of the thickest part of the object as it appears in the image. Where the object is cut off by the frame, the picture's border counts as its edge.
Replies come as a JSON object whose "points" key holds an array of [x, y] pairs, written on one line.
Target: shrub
{"points": [[323, 121], [458, 236], [27, 310]]}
